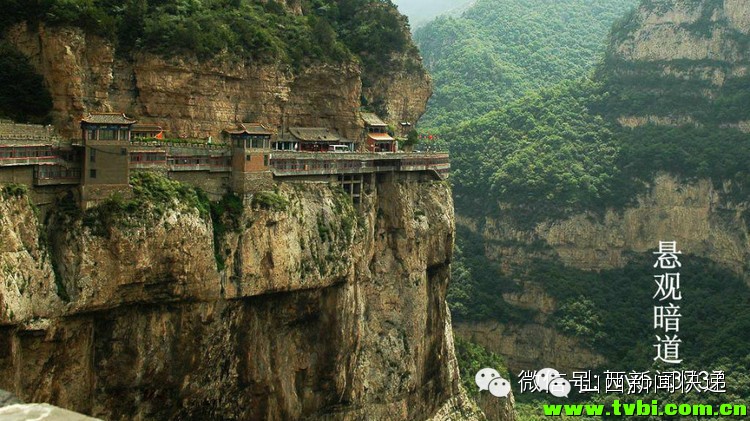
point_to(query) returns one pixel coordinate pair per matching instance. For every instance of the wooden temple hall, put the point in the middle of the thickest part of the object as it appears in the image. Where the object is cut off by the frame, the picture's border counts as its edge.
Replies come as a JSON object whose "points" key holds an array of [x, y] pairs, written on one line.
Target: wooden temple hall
{"points": [[313, 139], [247, 158]]}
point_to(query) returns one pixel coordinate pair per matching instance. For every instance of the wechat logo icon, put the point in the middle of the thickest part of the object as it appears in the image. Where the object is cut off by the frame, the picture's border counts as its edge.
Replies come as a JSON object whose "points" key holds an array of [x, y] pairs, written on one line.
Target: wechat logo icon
{"points": [[489, 379]]}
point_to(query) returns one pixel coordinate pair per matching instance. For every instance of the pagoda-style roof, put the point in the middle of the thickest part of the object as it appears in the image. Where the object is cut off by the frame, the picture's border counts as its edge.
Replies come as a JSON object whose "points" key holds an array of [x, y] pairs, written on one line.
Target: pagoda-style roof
{"points": [[381, 137], [313, 134], [108, 118], [372, 120], [249, 129]]}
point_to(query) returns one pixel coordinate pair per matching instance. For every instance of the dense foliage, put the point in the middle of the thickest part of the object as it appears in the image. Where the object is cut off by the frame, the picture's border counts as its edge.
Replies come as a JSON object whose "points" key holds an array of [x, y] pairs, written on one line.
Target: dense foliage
{"points": [[544, 153], [550, 153], [472, 358], [23, 96], [612, 311], [530, 143], [327, 30], [500, 49], [559, 149]]}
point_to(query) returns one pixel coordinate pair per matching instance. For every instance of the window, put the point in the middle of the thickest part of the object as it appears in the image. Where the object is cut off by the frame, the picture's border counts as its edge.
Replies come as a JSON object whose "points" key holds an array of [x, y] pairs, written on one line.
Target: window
{"points": [[123, 151], [249, 158], [107, 134], [265, 160], [92, 155], [92, 173]]}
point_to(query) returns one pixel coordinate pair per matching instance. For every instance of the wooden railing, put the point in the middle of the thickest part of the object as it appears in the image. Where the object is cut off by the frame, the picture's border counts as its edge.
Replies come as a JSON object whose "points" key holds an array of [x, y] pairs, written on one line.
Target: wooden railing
{"points": [[301, 163]]}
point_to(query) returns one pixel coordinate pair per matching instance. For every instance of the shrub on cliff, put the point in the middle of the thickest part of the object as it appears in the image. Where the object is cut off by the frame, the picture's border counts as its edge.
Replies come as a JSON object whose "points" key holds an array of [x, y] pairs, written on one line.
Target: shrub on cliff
{"points": [[14, 190], [327, 31], [472, 358], [270, 200], [153, 195], [155, 190]]}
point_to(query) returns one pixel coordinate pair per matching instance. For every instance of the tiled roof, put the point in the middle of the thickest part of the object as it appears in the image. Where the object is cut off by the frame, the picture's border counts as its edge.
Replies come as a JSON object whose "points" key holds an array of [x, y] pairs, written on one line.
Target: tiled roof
{"points": [[107, 118], [312, 134], [146, 128], [250, 128], [380, 136], [373, 120]]}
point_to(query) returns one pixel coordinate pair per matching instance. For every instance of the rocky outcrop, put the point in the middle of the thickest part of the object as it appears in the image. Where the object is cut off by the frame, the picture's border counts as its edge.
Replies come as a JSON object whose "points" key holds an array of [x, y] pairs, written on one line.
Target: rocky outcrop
{"points": [[691, 49], [701, 218], [8, 399], [28, 284], [401, 96], [705, 220], [461, 408], [323, 311], [198, 99]]}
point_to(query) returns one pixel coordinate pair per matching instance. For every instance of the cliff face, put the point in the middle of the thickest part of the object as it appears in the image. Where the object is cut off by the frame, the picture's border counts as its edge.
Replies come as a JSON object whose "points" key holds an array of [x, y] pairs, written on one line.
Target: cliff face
{"points": [[697, 215], [667, 31], [670, 63], [704, 220], [695, 49], [323, 310], [402, 96], [199, 99]]}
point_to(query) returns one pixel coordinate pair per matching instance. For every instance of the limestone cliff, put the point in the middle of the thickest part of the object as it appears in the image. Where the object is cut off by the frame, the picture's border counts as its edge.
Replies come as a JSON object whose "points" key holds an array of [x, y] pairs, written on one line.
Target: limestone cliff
{"points": [[705, 221], [527, 345], [200, 98], [322, 311], [694, 50], [669, 63], [401, 96]]}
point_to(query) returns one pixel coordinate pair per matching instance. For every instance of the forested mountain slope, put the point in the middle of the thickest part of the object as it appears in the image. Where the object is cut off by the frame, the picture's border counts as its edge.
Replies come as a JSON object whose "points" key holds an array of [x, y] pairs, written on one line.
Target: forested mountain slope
{"points": [[500, 49], [563, 192]]}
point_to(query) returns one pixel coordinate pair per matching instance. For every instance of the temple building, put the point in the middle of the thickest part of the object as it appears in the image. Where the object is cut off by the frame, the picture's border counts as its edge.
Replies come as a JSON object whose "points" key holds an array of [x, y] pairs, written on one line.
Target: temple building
{"points": [[376, 134], [251, 152], [249, 160], [147, 131], [106, 143], [35, 155], [318, 139]]}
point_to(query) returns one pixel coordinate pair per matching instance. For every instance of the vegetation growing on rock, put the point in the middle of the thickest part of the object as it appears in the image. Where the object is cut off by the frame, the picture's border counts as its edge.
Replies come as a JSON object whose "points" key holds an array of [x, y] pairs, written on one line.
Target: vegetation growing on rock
{"points": [[326, 30]]}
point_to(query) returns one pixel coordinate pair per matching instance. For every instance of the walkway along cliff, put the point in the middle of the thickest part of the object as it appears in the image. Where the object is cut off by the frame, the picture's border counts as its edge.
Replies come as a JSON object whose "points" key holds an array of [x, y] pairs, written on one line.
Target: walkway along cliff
{"points": [[314, 289], [247, 276]]}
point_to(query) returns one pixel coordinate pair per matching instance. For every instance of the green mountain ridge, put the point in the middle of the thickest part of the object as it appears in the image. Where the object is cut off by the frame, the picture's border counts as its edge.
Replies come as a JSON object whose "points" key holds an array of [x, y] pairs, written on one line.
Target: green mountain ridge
{"points": [[531, 149], [500, 49]]}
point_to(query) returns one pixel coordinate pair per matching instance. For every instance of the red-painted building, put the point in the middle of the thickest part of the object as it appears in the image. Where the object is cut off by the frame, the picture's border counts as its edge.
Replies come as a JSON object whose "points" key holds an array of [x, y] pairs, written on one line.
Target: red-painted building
{"points": [[376, 134]]}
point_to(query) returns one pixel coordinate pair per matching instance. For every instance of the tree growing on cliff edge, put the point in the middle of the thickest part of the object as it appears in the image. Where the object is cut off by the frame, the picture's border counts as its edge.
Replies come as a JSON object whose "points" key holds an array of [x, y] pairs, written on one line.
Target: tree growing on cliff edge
{"points": [[326, 31]]}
